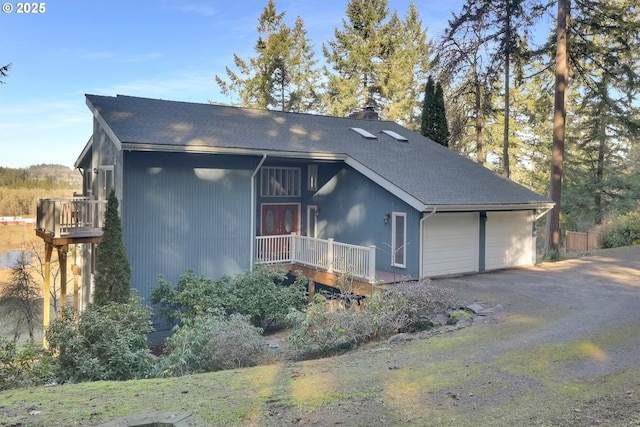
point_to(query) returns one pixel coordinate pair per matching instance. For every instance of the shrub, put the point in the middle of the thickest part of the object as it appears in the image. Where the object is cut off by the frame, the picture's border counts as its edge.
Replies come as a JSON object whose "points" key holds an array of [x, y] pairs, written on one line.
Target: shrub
{"points": [[25, 366], [623, 231], [213, 343], [261, 294], [193, 296], [103, 343], [328, 326]]}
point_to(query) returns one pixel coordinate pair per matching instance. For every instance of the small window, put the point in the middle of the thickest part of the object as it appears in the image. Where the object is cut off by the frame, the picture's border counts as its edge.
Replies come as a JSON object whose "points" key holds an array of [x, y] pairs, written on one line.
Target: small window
{"points": [[399, 239], [312, 177], [312, 221]]}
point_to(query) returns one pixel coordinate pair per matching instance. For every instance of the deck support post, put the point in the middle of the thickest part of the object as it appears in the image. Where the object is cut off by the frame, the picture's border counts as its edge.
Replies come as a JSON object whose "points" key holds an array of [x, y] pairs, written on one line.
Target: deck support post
{"points": [[312, 289], [46, 315], [62, 260]]}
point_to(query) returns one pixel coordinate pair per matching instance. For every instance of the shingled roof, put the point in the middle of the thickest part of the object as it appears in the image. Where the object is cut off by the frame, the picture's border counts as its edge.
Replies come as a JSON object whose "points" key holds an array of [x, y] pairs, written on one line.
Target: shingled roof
{"points": [[424, 173]]}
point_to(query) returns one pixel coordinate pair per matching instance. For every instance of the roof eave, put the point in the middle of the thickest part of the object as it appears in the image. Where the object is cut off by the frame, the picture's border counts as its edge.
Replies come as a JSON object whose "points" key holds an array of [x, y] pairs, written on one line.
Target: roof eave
{"points": [[202, 149], [103, 123], [84, 152], [489, 207]]}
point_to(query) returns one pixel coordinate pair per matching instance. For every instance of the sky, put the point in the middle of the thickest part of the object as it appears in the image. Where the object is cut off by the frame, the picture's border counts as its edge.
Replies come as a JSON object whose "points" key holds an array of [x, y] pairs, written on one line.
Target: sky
{"points": [[156, 49]]}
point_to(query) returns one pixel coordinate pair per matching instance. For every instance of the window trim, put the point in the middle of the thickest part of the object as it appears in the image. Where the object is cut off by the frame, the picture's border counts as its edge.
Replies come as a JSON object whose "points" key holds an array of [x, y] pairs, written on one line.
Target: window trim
{"points": [[394, 260]]}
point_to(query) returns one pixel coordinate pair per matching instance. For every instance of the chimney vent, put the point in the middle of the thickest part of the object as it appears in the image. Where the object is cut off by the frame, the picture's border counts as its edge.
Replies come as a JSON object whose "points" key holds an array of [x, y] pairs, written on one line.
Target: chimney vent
{"points": [[367, 113]]}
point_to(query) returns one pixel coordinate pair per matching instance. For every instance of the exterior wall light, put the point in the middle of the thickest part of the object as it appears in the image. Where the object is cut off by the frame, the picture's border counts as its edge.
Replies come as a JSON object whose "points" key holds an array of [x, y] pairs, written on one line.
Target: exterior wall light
{"points": [[387, 217]]}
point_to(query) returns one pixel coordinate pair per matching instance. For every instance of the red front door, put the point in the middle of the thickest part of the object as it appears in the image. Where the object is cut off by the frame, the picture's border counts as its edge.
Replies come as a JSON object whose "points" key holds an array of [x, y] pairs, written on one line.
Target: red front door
{"points": [[280, 219]]}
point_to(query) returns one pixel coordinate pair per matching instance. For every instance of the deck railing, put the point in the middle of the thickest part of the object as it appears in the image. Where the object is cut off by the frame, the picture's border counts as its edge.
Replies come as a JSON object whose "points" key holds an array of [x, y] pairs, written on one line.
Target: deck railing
{"points": [[328, 255], [59, 217]]}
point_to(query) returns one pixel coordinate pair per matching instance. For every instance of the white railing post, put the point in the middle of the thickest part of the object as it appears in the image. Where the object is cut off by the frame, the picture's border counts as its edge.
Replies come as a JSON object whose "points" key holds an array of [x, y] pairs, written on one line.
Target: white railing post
{"points": [[371, 275], [330, 255], [293, 255]]}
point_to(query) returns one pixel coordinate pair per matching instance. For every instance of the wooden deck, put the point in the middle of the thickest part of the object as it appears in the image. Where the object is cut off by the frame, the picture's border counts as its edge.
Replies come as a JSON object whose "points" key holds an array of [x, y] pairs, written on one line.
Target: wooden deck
{"points": [[362, 287], [77, 235]]}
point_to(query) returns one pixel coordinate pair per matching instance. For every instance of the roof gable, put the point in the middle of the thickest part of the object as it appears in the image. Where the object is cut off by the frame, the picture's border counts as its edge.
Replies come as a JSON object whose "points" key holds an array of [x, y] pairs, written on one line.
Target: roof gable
{"points": [[425, 172]]}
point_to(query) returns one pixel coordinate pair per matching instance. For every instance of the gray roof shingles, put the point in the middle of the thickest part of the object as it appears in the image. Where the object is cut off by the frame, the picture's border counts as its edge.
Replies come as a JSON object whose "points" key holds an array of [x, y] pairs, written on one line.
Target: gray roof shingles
{"points": [[429, 172]]}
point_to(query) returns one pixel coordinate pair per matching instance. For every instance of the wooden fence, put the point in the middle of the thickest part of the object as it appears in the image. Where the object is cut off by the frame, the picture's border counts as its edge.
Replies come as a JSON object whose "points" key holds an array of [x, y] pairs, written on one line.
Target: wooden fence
{"points": [[577, 241]]}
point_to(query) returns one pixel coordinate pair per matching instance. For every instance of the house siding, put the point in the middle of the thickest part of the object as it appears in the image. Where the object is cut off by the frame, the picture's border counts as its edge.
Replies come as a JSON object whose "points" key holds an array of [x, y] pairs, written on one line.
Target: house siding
{"points": [[352, 210], [186, 211]]}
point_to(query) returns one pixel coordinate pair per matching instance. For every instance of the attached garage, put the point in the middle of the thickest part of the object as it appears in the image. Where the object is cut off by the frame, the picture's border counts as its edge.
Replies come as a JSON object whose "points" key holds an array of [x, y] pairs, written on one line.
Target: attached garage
{"points": [[509, 239], [450, 244]]}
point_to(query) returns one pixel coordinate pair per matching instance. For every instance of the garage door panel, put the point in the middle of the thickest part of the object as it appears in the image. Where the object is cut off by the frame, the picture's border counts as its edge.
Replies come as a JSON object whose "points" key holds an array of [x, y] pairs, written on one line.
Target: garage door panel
{"points": [[509, 239], [450, 244]]}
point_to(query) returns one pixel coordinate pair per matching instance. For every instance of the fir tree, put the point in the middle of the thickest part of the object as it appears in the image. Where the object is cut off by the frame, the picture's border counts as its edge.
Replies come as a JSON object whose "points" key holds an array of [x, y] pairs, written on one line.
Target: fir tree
{"points": [[113, 271], [434, 117], [282, 75]]}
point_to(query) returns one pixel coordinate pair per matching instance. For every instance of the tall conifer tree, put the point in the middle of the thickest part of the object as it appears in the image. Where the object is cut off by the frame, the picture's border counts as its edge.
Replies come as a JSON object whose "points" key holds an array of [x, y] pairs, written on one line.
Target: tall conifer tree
{"points": [[113, 271], [434, 116]]}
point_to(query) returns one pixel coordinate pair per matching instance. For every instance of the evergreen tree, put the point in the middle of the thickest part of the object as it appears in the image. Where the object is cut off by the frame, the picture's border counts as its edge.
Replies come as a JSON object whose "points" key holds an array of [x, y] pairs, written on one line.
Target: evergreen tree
{"points": [[283, 74], [434, 116], [428, 118], [356, 55], [378, 62], [404, 70], [113, 271], [501, 29]]}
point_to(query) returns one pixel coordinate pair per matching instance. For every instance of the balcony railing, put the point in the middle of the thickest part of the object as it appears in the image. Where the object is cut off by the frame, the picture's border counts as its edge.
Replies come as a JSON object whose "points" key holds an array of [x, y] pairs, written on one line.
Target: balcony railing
{"points": [[328, 255], [62, 217]]}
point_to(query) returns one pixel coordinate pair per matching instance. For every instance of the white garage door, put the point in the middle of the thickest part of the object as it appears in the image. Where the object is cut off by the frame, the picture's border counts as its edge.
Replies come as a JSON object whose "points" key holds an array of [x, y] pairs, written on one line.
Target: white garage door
{"points": [[509, 239], [450, 244]]}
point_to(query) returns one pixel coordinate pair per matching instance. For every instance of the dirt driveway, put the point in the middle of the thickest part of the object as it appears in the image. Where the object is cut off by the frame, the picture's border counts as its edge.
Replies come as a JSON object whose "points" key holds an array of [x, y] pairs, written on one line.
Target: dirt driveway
{"points": [[569, 329], [563, 350]]}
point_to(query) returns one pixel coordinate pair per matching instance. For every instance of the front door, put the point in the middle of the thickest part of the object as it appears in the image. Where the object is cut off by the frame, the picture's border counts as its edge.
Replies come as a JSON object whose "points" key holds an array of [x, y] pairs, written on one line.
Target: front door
{"points": [[279, 219]]}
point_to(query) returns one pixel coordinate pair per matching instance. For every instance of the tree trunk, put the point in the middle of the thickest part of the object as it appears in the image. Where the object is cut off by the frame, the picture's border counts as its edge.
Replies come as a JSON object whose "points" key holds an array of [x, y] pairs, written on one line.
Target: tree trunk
{"points": [[559, 123], [479, 126], [505, 142]]}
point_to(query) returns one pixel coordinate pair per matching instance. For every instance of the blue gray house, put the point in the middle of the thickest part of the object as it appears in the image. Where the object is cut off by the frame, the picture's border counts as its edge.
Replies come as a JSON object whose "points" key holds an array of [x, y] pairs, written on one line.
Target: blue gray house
{"points": [[218, 189]]}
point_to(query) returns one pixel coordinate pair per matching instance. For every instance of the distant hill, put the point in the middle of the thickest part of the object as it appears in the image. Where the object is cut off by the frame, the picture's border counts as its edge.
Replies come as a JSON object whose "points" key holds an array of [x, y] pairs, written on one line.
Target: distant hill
{"points": [[47, 176]]}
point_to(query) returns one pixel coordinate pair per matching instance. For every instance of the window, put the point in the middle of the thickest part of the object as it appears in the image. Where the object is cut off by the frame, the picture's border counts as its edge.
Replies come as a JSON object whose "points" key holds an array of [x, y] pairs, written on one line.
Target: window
{"points": [[86, 178], [312, 177], [280, 182], [399, 239], [106, 181], [312, 221]]}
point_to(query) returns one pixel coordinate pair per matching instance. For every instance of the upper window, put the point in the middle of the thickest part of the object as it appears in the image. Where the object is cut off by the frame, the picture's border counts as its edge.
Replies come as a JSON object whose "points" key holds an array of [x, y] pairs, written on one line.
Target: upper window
{"points": [[399, 239], [312, 177], [280, 182]]}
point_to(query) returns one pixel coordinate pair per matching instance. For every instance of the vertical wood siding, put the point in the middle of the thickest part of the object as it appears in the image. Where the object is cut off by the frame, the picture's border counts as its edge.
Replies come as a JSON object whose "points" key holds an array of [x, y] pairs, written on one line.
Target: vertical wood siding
{"points": [[184, 212], [352, 210]]}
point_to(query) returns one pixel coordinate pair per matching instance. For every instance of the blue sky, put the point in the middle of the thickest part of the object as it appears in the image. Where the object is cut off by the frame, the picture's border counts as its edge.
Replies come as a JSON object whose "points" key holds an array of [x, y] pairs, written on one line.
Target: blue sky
{"points": [[157, 49]]}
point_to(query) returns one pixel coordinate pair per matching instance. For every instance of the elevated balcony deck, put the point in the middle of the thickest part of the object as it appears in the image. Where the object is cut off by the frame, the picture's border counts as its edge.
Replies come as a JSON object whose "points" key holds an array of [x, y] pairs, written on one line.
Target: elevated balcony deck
{"points": [[70, 220]]}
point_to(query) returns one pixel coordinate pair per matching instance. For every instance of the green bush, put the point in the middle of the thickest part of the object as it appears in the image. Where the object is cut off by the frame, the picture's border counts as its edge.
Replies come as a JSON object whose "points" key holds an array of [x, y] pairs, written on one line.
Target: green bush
{"points": [[103, 343], [193, 296], [261, 294], [623, 231], [213, 343], [328, 326], [24, 366]]}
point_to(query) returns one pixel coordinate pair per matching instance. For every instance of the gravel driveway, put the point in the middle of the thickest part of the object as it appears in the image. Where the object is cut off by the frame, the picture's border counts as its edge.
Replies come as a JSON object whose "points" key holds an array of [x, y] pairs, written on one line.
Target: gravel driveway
{"points": [[578, 320]]}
